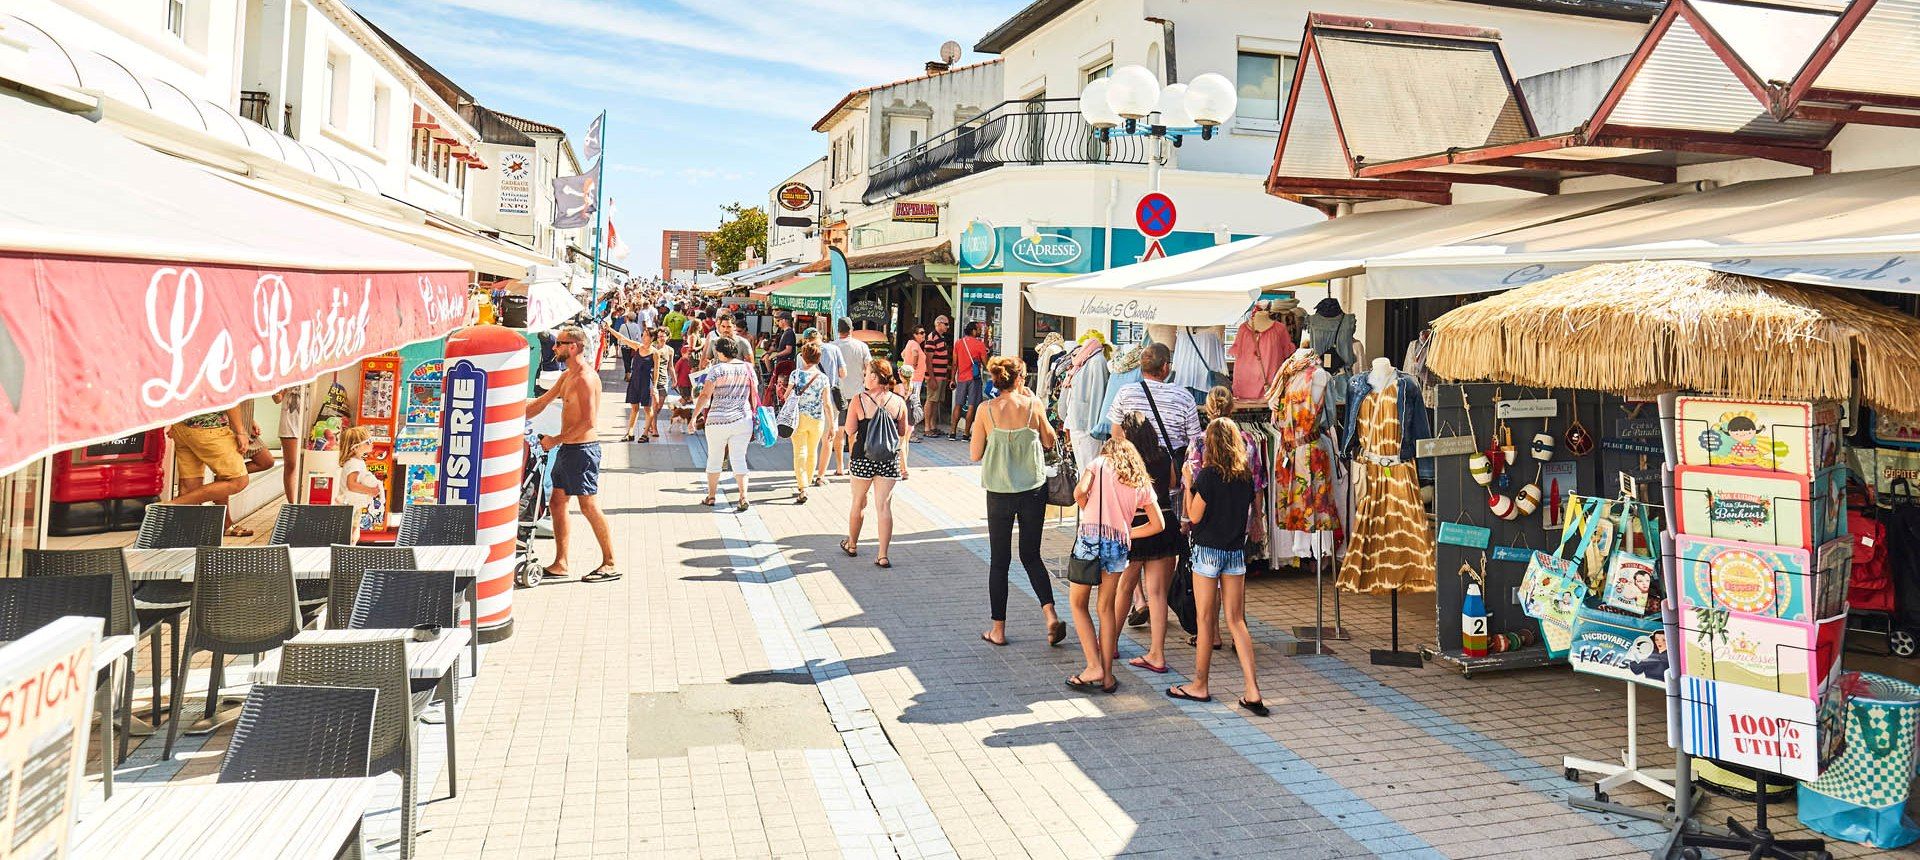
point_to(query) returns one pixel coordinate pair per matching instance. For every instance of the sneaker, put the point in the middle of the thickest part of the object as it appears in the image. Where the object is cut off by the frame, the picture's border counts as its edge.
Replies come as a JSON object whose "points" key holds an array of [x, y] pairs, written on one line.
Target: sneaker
{"points": [[1138, 617]]}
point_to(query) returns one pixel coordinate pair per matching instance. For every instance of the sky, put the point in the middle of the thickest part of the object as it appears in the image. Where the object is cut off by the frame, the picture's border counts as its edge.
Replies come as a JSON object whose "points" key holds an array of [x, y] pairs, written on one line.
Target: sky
{"points": [[709, 101]]}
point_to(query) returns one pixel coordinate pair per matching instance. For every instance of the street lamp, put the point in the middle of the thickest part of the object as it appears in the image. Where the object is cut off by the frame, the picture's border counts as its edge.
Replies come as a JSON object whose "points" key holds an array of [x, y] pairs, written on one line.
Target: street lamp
{"points": [[1117, 103]]}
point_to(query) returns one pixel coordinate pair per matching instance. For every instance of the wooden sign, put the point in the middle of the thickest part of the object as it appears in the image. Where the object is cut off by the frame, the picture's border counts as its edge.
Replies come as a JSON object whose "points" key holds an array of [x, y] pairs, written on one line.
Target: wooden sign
{"points": [[1513, 553], [1461, 534], [1547, 408], [1444, 446]]}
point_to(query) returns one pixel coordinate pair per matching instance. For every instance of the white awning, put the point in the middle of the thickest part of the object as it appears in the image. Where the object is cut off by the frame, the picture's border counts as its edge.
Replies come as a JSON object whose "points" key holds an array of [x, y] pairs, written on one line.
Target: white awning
{"points": [[1859, 229], [1215, 285]]}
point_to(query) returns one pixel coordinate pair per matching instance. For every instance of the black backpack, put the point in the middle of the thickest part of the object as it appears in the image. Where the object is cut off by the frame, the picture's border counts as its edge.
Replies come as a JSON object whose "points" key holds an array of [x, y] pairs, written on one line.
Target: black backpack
{"points": [[881, 441]]}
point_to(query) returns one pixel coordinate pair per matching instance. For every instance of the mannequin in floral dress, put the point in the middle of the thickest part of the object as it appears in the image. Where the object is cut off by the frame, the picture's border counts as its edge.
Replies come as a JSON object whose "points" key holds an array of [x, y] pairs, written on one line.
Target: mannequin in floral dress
{"points": [[1303, 481]]}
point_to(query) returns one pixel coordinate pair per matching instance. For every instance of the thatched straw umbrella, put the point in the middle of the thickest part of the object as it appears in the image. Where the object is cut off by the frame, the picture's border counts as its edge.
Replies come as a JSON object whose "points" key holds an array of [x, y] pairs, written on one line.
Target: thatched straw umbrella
{"points": [[1650, 327]]}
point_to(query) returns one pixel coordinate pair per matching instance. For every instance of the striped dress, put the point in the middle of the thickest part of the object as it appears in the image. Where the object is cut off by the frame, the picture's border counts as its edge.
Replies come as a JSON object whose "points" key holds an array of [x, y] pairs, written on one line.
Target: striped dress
{"points": [[1392, 544]]}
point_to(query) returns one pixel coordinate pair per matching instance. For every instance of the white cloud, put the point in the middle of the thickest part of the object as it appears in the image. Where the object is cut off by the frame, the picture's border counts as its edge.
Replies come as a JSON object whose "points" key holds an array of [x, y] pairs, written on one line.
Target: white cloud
{"points": [[637, 170]]}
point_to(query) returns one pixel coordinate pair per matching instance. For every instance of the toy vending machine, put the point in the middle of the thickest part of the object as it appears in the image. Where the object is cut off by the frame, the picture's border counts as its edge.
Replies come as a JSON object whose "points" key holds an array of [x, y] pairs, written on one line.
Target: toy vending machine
{"points": [[380, 413], [417, 451]]}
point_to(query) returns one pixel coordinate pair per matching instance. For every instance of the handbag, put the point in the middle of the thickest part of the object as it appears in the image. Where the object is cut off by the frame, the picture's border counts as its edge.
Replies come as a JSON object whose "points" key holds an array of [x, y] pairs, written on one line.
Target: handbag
{"points": [[1632, 579], [1066, 474], [1082, 571], [763, 431]]}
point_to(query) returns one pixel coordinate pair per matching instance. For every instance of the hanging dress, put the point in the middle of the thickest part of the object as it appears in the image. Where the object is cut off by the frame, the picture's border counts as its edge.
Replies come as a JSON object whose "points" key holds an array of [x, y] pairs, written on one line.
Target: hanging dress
{"points": [[1304, 518], [1392, 545]]}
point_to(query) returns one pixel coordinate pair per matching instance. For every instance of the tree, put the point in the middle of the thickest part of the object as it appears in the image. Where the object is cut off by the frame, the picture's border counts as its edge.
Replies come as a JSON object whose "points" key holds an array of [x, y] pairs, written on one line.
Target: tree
{"points": [[743, 228]]}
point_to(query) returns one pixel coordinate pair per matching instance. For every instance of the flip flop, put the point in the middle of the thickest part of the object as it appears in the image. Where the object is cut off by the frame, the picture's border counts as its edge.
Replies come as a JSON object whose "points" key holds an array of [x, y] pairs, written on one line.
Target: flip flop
{"points": [[601, 575], [550, 573], [708, 501], [1175, 692], [1056, 633], [882, 562], [984, 638], [1258, 707], [1141, 663], [1074, 683]]}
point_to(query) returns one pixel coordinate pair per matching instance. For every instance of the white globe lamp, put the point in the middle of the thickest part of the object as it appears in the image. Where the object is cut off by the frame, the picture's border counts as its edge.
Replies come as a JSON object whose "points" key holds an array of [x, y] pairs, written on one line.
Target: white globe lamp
{"points": [[1173, 108], [1210, 101], [1133, 92], [1094, 107]]}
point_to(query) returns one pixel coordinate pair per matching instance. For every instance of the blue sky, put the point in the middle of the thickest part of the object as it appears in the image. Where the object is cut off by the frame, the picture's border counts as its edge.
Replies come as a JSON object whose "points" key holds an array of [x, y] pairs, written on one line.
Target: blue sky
{"points": [[709, 101]]}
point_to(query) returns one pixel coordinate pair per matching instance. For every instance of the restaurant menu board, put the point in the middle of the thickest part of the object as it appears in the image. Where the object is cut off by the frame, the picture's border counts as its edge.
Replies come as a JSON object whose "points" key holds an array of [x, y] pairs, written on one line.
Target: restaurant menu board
{"points": [[46, 688]]}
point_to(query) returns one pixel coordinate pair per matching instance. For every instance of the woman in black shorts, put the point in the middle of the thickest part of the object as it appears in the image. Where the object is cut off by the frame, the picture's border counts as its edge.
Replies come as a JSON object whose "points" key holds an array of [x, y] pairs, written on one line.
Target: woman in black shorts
{"points": [[1167, 543], [876, 403]]}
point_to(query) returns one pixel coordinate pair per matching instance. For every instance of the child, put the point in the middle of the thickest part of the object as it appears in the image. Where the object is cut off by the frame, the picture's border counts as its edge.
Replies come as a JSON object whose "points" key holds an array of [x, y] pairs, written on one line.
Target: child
{"points": [[683, 384], [1219, 497], [1114, 487], [358, 486]]}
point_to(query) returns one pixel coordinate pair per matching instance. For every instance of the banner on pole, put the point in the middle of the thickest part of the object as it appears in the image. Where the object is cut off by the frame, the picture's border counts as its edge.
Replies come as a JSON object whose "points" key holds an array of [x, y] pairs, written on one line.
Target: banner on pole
{"points": [[575, 200], [840, 279]]}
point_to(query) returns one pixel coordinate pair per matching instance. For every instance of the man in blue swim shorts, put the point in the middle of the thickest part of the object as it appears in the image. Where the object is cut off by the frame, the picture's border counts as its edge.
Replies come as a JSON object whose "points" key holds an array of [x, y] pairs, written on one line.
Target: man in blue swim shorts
{"points": [[576, 453]]}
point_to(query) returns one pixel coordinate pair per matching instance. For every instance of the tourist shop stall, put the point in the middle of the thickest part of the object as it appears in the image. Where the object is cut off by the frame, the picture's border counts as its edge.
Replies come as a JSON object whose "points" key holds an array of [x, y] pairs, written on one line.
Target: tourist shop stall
{"points": [[1721, 575]]}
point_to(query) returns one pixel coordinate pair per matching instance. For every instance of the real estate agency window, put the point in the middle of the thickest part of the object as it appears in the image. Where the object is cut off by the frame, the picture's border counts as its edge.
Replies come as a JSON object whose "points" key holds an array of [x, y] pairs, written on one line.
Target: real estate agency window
{"points": [[1262, 82]]}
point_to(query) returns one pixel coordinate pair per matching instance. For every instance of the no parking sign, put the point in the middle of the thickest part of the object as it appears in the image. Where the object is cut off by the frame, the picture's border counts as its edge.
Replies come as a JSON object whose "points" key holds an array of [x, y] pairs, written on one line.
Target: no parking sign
{"points": [[1155, 216]]}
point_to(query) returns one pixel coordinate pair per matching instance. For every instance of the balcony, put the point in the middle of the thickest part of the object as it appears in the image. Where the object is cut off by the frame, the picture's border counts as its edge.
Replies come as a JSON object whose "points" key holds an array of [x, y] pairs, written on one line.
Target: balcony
{"points": [[1032, 131], [254, 106]]}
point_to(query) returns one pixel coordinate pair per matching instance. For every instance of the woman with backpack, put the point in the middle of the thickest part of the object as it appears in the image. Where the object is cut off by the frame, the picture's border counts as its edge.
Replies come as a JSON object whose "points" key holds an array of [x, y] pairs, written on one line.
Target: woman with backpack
{"points": [[1010, 432], [1219, 497], [876, 422], [1114, 490]]}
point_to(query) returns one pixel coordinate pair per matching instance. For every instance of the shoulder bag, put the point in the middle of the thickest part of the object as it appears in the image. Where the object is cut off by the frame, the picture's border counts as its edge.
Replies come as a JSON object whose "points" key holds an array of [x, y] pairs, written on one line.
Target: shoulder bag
{"points": [[1083, 571], [1214, 377], [1180, 593]]}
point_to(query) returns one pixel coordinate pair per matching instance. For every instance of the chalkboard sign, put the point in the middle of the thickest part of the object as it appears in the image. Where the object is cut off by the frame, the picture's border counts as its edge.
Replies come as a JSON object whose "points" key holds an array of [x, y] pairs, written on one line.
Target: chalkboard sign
{"points": [[125, 446]]}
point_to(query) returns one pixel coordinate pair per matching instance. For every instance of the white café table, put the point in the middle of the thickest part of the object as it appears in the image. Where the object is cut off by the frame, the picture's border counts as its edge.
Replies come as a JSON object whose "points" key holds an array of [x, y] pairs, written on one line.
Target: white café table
{"points": [[282, 820], [316, 562]]}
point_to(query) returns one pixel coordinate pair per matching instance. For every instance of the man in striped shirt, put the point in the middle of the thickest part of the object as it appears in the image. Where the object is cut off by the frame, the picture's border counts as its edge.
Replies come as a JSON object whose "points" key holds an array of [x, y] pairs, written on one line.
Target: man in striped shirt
{"points": [[939, 387], [1175, 404]]}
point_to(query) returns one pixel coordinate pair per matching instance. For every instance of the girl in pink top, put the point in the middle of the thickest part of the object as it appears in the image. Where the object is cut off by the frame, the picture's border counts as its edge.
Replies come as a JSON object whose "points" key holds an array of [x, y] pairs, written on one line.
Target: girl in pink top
{"points": [[1113, 489]]}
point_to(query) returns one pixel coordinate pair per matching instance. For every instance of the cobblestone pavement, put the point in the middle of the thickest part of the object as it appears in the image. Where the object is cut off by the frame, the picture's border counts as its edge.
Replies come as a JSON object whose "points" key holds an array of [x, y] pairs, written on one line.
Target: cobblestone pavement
{"points": [[748, 690]]}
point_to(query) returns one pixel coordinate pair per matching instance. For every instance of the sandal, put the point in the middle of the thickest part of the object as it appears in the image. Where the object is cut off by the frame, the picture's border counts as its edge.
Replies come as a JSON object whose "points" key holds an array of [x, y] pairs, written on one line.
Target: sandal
{"points": [[1056, 633], [800, 499], [882, 562], [1141, 663], [708, 501], [1076, 683], [238, 531], [603, 574], [1002, 643], [550, 573], [1257, 706], [848, 547], [740, 508], [1177, 692]]}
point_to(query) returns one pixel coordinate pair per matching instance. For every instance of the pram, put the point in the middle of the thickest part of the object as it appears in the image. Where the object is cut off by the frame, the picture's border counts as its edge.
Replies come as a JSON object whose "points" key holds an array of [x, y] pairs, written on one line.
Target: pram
{"points": [[536, 486]]}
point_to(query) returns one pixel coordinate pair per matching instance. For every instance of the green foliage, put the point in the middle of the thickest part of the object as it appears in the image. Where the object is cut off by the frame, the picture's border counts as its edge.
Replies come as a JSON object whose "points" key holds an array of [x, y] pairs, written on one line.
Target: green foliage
{"points": [[743, 227]]}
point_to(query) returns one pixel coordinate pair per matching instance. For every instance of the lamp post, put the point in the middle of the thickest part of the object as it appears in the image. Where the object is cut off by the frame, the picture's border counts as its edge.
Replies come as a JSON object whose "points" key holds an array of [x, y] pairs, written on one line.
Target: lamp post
{"points": [[1131, 101]]}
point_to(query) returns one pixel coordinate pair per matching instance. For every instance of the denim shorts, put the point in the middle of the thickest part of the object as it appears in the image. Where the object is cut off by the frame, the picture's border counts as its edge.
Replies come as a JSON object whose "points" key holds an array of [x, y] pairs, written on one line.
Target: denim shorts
{"points": [[1111, 553], [1214, 563]]}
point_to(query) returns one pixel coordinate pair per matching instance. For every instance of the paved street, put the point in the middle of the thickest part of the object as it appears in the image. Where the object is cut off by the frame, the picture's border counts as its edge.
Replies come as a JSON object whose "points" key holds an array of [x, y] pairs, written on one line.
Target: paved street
{"points": [[747, 690]]}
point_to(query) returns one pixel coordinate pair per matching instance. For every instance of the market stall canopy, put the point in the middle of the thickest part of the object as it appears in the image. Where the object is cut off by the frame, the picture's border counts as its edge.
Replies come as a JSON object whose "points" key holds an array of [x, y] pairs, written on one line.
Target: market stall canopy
{"points": [[1858, 229], [1215, 285], [815, 292], [1652, 327], [144, 290]]}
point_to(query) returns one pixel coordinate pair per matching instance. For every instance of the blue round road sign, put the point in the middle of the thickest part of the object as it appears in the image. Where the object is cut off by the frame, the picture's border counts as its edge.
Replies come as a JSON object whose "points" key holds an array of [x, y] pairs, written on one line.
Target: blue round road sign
{"points": [[1155, 214]]}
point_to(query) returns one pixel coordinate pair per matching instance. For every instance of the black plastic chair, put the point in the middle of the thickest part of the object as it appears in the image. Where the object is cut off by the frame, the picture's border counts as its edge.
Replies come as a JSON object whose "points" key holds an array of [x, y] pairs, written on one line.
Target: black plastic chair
{"points": [[290, 732], [312, 526], [27, 605], [439, 525], [243, 603], [164, 603], [348, 565], [110, 561], [397, 599], [380, 664]]}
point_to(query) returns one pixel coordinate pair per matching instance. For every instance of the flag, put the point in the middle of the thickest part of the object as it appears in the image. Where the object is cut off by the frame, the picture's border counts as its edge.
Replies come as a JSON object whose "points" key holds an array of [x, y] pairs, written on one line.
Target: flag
{"points": [[573, 200], [594, 129], [840, 280], [616, 249]]}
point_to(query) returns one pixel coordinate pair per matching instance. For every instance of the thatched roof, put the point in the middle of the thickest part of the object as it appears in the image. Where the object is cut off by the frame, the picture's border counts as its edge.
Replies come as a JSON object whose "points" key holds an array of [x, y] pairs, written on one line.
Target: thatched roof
{"points": [[1649, 327]]}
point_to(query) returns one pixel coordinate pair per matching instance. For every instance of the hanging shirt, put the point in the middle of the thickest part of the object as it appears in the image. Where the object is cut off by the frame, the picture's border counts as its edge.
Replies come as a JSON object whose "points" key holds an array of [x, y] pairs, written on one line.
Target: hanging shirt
{"points": [[1197, 353], [1257, 356]]}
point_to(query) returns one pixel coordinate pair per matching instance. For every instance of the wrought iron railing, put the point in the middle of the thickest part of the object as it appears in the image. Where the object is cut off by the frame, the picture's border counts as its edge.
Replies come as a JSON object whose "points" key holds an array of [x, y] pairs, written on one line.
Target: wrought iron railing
{"points": [[1030, 131], [253, 106]]}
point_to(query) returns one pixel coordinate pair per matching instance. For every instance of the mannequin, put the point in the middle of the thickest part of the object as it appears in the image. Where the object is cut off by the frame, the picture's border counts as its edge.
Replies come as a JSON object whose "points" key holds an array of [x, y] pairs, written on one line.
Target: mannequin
{"points": [[1259, 348], [1043, 362], [1082, 395], [1391, 546], [1199, 352], [1303, 487]]}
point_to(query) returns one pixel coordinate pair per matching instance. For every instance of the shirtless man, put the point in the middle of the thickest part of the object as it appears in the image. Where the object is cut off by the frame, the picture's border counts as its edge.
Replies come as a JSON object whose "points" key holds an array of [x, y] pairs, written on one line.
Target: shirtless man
{"points": [[576, 465]]}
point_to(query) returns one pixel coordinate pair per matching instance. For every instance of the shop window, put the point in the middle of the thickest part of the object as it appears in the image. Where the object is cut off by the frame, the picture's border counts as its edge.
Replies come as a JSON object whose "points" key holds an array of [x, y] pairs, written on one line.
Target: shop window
{"points": [[1263, 81]]}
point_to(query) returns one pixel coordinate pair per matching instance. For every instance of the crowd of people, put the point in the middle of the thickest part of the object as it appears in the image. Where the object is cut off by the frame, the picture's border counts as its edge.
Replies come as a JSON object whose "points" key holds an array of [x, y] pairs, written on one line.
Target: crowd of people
{"points": [[1170, 485]]}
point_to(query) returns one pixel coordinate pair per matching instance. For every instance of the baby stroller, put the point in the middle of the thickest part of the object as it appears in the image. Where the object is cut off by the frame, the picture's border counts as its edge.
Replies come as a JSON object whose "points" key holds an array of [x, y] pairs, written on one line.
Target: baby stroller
{"points": [[536, 486]]}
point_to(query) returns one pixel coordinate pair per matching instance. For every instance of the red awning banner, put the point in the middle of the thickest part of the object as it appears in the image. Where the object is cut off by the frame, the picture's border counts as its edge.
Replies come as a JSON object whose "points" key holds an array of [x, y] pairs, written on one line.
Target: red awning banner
{"points": [[92, 348]]}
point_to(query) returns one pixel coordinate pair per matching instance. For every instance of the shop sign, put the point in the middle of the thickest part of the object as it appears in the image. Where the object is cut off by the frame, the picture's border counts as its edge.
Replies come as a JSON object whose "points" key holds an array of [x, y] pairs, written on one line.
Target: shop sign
{"points": [[516, 183], [979, 245], [1461, 534], [795, 196], [1047, 250], [1546, 408], [981, 294], [46, 681], [1130, 310], [1444, 446], [911, 212], [462, 433]]}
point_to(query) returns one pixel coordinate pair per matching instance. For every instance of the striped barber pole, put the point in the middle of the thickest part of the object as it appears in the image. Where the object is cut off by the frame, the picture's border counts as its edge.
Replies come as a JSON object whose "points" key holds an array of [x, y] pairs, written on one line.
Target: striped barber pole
{"points": [[501, 354]]}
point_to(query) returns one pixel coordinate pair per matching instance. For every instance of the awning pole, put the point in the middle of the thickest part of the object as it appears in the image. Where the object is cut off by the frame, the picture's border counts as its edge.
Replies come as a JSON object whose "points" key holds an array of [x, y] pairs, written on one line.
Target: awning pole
{"points": [[599, 179]]}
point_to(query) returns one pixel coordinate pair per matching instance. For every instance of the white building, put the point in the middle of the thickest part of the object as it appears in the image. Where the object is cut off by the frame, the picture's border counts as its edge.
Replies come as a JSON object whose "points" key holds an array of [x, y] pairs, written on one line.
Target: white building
{"points": [[796, 243], [1027, 192]]}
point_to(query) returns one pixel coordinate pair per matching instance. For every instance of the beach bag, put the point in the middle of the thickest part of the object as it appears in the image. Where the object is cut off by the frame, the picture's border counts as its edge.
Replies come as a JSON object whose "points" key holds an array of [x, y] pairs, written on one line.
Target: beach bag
{"points": [[1552, 588], [1633, 580], [881, 442], [1862, 797], [1064, 474], [1619, 646], [1084, 571]]}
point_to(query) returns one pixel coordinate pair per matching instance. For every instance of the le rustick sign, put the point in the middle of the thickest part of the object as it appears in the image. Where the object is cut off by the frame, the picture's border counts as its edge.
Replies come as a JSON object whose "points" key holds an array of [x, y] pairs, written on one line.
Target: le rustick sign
{"points": [[46, 685]]}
